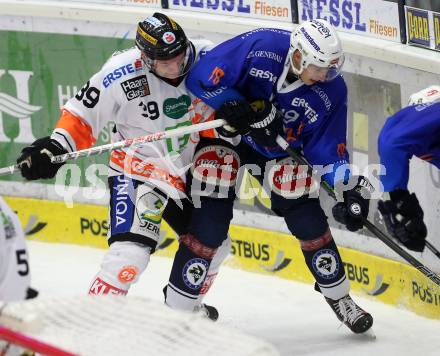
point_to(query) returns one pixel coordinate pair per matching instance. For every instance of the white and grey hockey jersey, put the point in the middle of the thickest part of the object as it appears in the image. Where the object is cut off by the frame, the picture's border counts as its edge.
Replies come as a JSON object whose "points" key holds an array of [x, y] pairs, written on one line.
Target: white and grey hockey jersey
{"points": [[14, 264], [139, 103]]}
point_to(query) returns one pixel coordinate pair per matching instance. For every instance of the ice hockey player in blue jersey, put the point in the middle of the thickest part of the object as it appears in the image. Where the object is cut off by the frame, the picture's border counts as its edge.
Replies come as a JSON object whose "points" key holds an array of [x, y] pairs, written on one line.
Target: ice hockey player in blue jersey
{"points": [[264, 83], [412, 131]]}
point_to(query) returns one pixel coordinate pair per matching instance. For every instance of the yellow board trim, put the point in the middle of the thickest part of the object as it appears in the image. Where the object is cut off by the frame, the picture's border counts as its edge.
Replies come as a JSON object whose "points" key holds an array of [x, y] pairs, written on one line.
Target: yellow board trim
{"points": [[266, 252]]}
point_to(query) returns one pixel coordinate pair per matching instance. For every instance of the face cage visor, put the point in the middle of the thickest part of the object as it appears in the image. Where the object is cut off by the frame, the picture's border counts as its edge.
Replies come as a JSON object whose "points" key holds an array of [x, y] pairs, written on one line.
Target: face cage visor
{"points": [[318, 72], [172, 68], [326, 74]]}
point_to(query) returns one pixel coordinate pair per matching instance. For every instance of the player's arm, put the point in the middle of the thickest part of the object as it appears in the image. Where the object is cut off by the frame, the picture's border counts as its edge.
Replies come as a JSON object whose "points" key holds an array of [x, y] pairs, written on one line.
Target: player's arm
{"points": [[324, 139], [405, 134], [212, 79], [394, 158], [79, 124], [218, 76], [398, 141], [324, 144], [242, 117], [81, 120], [214, 76]]}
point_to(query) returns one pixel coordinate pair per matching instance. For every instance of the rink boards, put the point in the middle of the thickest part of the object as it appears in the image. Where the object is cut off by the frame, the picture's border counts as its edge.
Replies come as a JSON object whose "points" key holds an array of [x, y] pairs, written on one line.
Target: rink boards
{"points": [[255, 250]]}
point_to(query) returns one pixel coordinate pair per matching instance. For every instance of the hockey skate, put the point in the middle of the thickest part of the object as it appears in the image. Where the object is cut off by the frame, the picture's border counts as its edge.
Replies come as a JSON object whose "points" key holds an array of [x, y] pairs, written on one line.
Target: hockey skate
{"points": [[207, 311], [348, 312]]}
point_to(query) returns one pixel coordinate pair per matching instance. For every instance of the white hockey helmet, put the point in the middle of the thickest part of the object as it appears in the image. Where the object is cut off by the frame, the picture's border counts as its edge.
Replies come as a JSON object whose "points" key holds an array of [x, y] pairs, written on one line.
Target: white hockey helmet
{"points": [[320, 47], [427, 95]]}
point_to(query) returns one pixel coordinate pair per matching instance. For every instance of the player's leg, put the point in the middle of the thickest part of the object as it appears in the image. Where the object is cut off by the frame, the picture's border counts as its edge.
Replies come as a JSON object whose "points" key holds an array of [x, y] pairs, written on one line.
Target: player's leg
{"points": [[135, 216], [178, 216], [307, 221], [212, 190], [222, 252]]}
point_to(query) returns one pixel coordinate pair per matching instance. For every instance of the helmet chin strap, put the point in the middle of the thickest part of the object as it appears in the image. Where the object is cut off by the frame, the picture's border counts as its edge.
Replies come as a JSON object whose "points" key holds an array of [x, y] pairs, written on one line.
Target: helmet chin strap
{"points": [[289, 75], [292, 68]]}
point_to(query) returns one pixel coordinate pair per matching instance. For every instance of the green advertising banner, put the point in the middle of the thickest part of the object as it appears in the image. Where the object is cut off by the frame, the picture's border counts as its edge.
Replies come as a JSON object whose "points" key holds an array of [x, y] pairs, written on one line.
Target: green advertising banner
{"points": [[39, 72]]}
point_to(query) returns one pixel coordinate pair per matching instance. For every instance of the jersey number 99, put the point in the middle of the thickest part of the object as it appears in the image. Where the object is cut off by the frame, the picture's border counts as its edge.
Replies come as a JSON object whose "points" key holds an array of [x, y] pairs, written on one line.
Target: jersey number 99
{"points": [[91, 95]]}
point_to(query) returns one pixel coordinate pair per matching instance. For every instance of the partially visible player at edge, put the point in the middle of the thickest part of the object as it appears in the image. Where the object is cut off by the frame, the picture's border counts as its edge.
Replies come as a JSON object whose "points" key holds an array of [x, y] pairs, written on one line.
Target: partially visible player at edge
{"points": [[142, 90], [299, 73], [15, 276], [412, 131]]}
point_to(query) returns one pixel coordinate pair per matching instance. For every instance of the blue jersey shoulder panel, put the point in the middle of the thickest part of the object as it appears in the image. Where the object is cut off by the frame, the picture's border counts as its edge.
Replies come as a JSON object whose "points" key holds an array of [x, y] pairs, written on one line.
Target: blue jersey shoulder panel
{"points": [[246, 66], [412, 131]]}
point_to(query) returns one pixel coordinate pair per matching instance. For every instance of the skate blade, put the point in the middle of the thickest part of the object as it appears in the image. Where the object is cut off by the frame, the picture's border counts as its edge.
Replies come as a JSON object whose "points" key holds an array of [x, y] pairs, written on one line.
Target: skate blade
{"points": [[369, 335]]}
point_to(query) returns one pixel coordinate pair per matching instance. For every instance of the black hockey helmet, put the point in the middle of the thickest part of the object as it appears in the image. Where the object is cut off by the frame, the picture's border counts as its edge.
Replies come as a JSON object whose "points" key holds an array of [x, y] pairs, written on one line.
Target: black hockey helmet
{"points": [[160, 37]]}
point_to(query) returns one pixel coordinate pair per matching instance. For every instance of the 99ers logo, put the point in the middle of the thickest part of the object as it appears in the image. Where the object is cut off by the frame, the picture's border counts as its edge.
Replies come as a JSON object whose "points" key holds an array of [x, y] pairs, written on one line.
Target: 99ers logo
{"points": [[216, 165], [127, 274], [290, 180]]}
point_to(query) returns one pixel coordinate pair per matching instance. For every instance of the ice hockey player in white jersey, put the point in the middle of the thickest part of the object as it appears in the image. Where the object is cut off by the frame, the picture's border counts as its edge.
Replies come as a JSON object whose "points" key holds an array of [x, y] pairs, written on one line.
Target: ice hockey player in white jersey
{"points": [[142, 90], [15, 276]]}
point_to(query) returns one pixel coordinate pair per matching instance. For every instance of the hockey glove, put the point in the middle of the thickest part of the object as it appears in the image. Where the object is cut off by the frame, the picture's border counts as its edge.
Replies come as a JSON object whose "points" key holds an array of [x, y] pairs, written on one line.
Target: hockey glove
{"points": [[356, 204], [403, 218], [238, 115], [267, 123], [35, 160]]}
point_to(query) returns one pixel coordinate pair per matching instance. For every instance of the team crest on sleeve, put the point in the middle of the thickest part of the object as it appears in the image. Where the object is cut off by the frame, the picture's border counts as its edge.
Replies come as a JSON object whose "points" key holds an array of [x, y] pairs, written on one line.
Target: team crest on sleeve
{"points": [[326, 264], [194, 272], [216, 75]]}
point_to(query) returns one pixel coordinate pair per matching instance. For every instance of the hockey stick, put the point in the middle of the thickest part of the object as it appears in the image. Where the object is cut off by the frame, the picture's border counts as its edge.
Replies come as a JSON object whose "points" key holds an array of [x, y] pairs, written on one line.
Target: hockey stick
{"points": [[433, 249], [138, 141], [369, 225]]}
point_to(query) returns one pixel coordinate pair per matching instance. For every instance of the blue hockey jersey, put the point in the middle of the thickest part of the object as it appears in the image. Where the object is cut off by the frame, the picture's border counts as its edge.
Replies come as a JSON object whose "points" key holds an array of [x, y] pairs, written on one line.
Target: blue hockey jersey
{"points": [[412, 131], [253, 66]]}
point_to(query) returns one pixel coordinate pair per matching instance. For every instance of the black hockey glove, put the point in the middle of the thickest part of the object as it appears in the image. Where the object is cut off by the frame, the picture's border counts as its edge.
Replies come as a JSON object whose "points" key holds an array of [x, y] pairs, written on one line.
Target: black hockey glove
{"points": [[356, 203], [238, 115], [403, 218], [267, 123], [34, 160]]}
